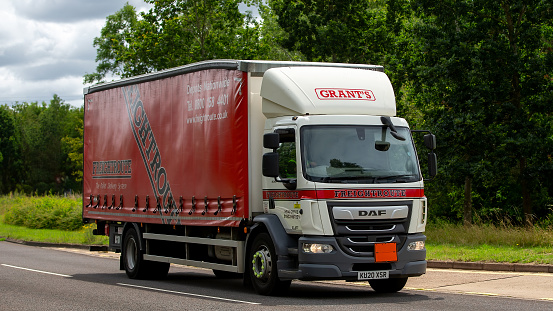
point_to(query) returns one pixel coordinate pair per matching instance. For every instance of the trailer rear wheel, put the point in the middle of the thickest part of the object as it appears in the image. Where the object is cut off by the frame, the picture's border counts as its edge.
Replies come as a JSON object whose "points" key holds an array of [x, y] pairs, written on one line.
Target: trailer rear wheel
{"points": [[262, 263], [388, 285], [133, 260]]}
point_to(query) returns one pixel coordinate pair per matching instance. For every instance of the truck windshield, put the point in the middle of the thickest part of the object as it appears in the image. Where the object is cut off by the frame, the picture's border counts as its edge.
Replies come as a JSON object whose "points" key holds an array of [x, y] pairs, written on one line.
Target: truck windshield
{"points": [[358, 154]]}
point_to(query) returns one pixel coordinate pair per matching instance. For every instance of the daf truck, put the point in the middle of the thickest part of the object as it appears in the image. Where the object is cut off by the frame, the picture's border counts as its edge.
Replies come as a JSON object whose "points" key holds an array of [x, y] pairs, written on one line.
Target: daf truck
{"points": [[266, 170]]}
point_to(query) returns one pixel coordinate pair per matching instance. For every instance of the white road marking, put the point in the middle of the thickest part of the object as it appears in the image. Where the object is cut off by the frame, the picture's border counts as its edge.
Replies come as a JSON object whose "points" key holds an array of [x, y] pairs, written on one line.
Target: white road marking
{"points": [[39, 271], [188, 294]]}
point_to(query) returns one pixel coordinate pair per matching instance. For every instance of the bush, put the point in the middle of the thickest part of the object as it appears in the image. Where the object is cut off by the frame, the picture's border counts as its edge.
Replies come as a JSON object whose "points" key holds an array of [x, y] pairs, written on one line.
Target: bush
{"points": [[48, 212]]}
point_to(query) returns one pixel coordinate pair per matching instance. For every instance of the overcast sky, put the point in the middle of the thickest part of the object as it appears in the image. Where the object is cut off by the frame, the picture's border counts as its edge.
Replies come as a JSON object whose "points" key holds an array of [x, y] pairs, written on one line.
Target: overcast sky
{"points": [[46, 47]]}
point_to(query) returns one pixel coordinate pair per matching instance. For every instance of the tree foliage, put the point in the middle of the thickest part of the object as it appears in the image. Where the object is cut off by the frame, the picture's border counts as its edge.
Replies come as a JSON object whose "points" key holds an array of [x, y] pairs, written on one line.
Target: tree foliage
{"points": [[9, 156], [480, 72], [338, 31], [38, 151], [174, 33]]}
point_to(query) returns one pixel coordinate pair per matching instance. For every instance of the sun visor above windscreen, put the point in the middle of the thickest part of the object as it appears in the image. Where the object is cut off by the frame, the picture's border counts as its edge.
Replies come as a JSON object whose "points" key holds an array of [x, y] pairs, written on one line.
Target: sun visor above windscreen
{"points": [[289, 91]]}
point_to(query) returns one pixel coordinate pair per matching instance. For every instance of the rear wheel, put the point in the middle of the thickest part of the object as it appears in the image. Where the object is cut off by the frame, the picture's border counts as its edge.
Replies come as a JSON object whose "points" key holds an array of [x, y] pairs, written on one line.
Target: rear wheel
{"points": [[133, 260], [262, 263], [388, 285]]}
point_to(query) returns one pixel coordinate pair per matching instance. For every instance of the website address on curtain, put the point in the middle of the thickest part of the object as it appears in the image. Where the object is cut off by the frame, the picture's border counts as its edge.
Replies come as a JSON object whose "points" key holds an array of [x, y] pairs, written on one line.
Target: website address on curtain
{"points": [[207, 117]]}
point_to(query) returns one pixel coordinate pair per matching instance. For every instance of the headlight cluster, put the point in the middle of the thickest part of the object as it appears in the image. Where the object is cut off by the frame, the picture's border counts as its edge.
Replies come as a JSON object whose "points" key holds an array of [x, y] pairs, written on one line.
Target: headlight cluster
{"points": [[415, 246], [316, 248]]}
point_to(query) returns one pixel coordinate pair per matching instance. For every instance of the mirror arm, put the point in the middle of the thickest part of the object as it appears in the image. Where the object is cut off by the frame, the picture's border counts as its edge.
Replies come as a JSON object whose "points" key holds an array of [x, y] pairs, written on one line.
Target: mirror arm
{"points": [[388, 122]]}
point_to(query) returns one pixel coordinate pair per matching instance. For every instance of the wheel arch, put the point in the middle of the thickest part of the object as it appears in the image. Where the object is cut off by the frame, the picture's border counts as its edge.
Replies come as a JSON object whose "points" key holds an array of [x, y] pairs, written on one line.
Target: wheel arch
{"points": [[136, 227], [271, 224]]}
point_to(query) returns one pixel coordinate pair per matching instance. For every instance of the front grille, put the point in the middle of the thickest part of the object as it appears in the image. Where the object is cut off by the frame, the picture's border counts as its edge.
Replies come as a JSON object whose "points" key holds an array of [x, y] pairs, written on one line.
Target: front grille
{"points": [[371, 227], [357, 237], [364, 245]]}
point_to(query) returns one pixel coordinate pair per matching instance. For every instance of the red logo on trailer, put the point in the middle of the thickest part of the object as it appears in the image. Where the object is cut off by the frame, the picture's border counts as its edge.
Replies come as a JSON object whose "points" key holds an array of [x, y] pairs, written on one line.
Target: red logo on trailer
{"points": [[344, 94]]}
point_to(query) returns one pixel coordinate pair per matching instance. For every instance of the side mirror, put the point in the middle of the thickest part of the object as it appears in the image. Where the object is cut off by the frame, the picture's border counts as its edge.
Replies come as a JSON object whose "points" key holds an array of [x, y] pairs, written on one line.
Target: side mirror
{"points": [[270, 164], [271, 140], [432, 164], [430, 141]]}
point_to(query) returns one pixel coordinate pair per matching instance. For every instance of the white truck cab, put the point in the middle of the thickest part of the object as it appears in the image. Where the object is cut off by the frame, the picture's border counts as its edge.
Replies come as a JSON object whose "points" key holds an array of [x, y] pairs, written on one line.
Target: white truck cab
{"points": [[342, 175]]}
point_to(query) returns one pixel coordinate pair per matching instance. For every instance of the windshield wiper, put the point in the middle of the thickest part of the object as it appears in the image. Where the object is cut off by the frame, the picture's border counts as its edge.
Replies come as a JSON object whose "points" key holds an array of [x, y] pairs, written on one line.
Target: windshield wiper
{"points": [[396, 178], [346, 179], [367, 179]]}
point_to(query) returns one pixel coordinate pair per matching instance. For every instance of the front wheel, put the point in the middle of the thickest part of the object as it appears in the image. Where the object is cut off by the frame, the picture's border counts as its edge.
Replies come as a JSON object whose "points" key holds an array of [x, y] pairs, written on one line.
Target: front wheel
{"points": [[133, 260], [262, 265], [388, 285]]}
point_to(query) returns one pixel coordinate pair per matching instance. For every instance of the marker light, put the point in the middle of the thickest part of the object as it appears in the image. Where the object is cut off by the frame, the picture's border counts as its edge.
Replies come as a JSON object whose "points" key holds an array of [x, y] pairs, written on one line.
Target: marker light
{"points": [[415, 246], [317, 248], [423, 212]]}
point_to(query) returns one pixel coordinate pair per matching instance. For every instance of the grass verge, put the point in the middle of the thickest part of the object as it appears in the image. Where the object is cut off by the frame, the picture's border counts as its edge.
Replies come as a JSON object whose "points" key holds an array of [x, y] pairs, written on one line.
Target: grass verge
{"points": [[489, 243], [490, 253], [82, 236], [475, 235], [52, 219]]}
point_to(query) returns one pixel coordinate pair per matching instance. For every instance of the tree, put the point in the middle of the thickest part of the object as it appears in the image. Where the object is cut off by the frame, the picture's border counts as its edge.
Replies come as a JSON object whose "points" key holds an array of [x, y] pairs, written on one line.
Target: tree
{"points": [[174, 33], [40, 129], [73, 146], [337, 31], [116, 53], [8, 150], [480, 71], [272, 35]]}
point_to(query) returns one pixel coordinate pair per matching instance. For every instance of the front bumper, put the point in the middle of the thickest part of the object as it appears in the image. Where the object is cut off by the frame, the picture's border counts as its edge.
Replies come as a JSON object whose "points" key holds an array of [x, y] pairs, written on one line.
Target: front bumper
{"points": [[339, 265]]}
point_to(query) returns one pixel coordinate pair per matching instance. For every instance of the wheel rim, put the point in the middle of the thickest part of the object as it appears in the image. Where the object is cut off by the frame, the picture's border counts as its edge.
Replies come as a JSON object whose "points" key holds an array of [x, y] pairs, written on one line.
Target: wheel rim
{"points": [[132, 253], [262, 264]]}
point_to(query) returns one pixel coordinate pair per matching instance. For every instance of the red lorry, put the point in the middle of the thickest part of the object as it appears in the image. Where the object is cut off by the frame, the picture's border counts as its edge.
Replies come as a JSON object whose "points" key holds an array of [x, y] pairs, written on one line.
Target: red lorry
{"points": [[273, 171]]}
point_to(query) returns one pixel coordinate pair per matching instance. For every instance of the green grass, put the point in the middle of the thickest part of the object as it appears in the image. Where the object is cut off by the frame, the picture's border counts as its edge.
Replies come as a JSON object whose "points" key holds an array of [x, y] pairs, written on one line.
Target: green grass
{"points": [[470, 236], [43, 212], [488, 253], [83, 236], [49, 219], [489, 243]]}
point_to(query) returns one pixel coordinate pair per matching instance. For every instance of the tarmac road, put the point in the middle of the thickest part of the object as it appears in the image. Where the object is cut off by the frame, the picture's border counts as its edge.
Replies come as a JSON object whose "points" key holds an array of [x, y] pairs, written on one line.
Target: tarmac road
{"points": [[39, 278], [522, 285]]}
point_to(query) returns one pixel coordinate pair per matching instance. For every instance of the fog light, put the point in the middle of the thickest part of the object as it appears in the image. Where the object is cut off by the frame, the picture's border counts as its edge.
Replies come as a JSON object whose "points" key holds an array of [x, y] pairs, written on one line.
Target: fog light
{"points": [[415, 246], [317, 248]]}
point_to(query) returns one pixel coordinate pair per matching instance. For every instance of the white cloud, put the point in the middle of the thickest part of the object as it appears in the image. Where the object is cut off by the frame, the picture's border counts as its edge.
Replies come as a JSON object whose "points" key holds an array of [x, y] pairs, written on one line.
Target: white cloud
{"points": [[46, 47], [66, 11]]}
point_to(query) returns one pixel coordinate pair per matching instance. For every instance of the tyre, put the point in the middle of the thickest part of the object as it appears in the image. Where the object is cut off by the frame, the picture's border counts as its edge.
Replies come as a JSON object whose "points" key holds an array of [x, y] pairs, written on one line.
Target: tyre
{"points": [[388, 285], [226, 274], [262, 263], [133, 260]]}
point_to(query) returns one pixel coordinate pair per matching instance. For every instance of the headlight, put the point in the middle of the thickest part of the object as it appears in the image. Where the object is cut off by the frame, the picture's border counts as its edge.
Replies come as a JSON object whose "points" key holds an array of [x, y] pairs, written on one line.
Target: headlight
{"points": [[317, 248], [415, 246]]}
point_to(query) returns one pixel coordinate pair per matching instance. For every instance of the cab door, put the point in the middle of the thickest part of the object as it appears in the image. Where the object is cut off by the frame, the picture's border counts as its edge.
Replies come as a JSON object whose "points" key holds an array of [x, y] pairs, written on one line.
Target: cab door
{"points": [[280, 196]]}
